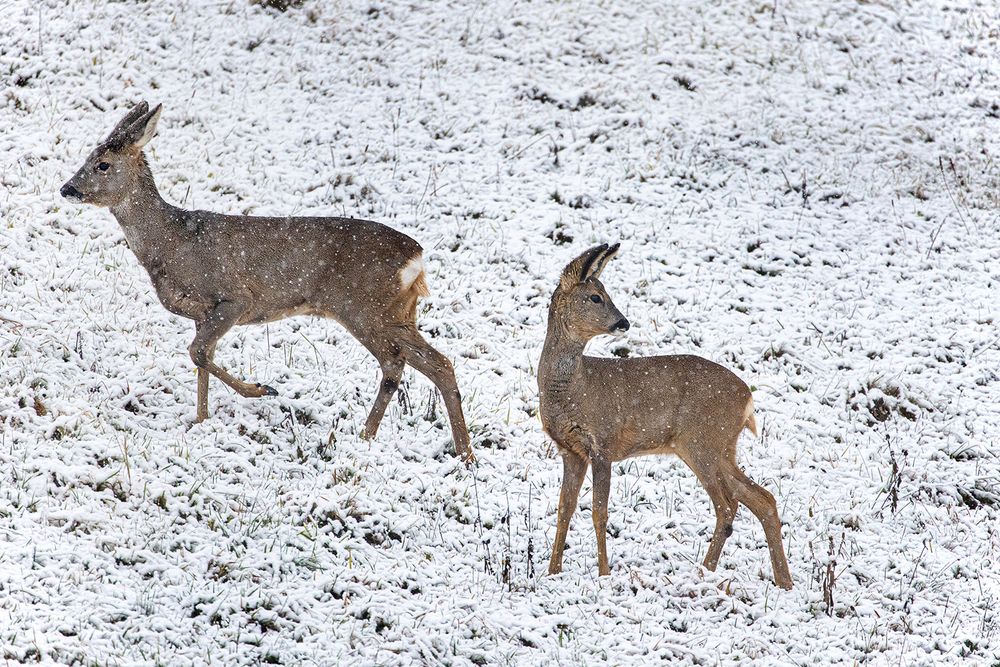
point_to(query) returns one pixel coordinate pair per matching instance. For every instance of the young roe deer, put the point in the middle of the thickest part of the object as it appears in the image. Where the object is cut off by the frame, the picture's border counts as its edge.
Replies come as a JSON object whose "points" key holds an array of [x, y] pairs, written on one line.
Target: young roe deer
{"points": [[226, 270], [599, 411]]}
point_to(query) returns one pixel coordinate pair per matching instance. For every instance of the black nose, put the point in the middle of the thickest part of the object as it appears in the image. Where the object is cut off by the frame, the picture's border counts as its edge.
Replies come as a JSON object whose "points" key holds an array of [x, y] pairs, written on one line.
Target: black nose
{"points": [[622, 325], [70, 192]]}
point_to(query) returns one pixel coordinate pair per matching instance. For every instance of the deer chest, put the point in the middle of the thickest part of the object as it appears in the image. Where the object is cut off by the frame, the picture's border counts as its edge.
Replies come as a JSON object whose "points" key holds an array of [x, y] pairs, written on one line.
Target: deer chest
{"points": [[563, 423], [181, 297]]}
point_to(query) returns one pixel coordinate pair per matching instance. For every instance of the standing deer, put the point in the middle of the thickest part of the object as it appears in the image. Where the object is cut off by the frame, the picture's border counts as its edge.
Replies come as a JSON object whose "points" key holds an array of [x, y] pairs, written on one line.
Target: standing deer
{"points": [[225, 270], [599, 411]]}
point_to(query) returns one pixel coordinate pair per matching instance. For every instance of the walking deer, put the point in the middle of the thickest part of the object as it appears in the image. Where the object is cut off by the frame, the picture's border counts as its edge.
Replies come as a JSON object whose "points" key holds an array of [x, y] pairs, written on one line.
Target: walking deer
{"points": [[226, 270], [599, 411]]}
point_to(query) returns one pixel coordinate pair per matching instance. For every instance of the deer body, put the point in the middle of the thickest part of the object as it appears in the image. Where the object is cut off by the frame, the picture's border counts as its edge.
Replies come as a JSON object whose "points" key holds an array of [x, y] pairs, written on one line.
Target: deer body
{"points": [[646, 404], [342, 263], [599, 411], [227, 270]]}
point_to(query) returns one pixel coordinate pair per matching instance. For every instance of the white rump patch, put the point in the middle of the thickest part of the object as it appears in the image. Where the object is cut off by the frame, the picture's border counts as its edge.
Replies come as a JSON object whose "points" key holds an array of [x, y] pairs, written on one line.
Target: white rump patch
{"points": [[411, 271], [748, 419]]}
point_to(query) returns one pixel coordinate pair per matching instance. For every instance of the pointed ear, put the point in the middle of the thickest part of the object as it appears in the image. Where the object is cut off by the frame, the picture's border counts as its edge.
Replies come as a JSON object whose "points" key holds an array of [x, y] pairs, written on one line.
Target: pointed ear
{"points": [[602, 261], [143, 129], [126, 122], [580, 268]]}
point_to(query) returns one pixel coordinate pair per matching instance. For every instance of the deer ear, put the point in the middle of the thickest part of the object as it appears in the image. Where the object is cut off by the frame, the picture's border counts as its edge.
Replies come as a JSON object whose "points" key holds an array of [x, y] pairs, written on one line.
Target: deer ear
{"points": [[143, 130], [581, 268], [125, 123], [602, 261]]}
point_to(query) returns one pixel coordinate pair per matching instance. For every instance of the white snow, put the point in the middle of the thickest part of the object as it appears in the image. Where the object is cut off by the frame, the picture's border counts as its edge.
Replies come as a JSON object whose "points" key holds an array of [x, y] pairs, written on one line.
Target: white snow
{"points": [[806, 192]]}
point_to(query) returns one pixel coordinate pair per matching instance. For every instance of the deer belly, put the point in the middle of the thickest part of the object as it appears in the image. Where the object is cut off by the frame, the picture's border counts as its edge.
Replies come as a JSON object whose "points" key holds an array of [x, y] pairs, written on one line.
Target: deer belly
{"points": [[639, 438], [651, 449], [274, 314]]}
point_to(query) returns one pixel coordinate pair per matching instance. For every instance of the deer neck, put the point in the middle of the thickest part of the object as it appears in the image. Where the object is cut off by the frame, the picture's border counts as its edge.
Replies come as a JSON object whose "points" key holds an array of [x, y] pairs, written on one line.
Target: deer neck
{"points": [[562, 360], [147, 220]]}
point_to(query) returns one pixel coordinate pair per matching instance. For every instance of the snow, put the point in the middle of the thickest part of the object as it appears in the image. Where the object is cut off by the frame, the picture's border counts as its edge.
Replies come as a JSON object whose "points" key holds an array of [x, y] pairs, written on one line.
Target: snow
{"points": [[805, 192]]}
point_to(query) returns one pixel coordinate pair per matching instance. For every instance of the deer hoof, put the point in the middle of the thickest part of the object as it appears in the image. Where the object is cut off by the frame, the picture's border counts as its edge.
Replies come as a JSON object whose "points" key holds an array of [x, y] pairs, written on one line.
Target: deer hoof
{"points": [[266, 390]]}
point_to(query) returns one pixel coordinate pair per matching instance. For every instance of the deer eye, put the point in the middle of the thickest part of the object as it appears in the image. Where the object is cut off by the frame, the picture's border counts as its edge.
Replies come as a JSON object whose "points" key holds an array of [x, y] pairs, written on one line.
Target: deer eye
{"points": [[596, 298], [104, 166]]}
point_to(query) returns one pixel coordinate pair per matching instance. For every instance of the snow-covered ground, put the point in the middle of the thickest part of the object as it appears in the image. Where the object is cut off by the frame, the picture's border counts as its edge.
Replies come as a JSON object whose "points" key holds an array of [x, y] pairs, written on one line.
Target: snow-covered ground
{"points": [[806, 192]]}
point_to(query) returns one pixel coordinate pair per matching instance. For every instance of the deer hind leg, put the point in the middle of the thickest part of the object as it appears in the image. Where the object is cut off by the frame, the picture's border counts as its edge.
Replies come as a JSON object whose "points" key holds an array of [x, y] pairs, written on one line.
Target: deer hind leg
{"points": [[760, 501], [390, 359], [574, 470], [438, 369], [723, 501], [602, 490], [202, 350], [725, 512]]}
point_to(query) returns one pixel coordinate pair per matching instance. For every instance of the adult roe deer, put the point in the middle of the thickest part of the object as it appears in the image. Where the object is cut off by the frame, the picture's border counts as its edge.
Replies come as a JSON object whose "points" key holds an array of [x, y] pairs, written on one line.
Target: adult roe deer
{"points": [[599, 411], [226, 270]]}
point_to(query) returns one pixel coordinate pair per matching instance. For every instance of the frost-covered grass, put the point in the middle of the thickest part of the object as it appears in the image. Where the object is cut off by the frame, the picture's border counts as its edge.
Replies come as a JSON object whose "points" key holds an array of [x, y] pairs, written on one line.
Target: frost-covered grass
{"points": [[804, 191]]}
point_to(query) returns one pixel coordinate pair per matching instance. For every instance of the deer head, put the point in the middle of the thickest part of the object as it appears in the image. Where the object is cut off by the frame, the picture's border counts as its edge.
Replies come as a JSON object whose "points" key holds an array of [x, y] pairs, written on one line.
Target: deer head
{"points": [[580, 305], [110, 171]]}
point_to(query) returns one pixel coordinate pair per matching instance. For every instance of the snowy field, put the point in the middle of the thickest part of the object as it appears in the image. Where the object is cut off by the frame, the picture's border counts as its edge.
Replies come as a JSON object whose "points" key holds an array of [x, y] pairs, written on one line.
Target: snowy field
{"points": [[806, 192]]}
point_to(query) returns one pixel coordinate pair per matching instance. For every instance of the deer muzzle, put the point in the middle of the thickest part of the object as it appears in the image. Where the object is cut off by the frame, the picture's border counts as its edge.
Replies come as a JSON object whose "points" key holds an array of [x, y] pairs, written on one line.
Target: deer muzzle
{"points": [[69, 192]]}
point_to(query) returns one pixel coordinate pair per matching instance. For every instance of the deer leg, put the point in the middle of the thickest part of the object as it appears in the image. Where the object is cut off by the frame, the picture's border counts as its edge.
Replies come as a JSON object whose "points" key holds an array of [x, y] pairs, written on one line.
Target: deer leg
{"points": [[392, 372], [574, 470], [725, 512], [725, 504], [760, 501], [602, 490], [713, 479], [207, 334], [203, 376], [438, 369]]}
